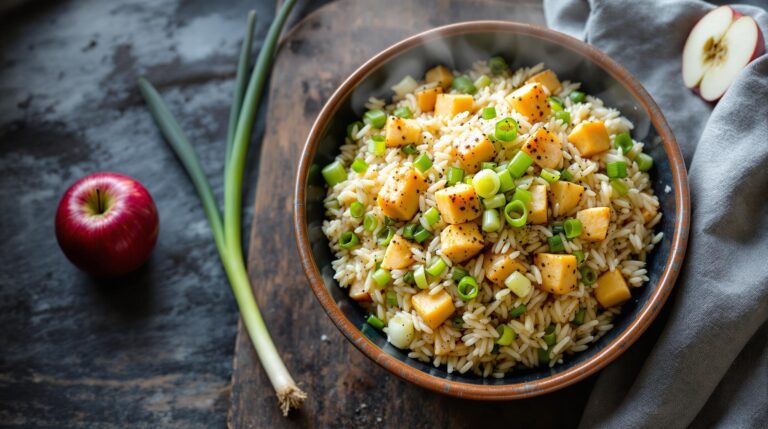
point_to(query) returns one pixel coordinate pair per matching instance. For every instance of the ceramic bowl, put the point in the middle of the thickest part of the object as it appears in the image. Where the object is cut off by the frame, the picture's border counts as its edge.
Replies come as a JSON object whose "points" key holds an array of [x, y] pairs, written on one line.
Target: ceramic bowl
{"points": [[458, 46]]}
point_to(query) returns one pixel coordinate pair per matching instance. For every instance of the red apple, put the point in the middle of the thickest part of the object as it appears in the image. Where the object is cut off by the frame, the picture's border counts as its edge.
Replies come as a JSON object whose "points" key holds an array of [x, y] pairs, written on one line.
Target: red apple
{"points": [[107, 224], [718, 47]]}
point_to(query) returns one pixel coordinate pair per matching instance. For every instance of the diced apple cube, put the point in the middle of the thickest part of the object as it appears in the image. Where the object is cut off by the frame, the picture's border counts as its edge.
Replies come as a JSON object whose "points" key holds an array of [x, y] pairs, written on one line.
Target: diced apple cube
{"points": [[558, 272], [474, 150], [399, 197], [590, 138], [426, 98], [594, 223], [434, 309], [359, 291], [498, 267], [400, 132], [548, 78], [458, 203], [565, 197], [439, 75], [544, 148], [398, 254], [531, 101], [453, 104], [537, 208], [612, 289], [461, 242]]}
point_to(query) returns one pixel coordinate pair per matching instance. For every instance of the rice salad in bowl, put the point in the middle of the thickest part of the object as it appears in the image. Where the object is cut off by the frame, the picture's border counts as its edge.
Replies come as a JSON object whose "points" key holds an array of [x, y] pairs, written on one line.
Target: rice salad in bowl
{"points": [[490, 220]]}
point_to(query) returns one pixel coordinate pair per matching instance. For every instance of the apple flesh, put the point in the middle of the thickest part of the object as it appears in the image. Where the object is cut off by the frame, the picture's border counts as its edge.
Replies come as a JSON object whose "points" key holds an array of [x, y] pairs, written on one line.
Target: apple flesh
{"points": [[107, 224], [718, 47]]}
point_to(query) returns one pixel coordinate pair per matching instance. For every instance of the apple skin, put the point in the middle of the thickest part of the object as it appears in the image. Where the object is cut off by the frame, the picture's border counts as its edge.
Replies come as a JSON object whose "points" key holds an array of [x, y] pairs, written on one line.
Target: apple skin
{"points": [[107, 224]]}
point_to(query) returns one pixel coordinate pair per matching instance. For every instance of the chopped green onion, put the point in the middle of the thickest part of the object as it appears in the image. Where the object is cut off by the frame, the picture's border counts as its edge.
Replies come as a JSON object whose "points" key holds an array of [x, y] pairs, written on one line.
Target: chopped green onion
{"points": [[497, 65], [482, 81], [644, 162], [436, 267], [403, 112], [519, 284], [495, 202], [506, 335], [491, 221], [557, 227], [377, 118], [506, 183], [385, 236], [616, 170], [359, 166], [577, 96], [468, 179], [392, 298], [432, 216], [556, 244], [543, 355], [620, 187], [420, 277], [378, 137], [421, 235], [381, 277], [519, 164], [564, 116], [463, 84], [353, 129], [422, 162], [332, 204], [356, 210], [410, 149], [408, 278], [572, 228], [489, 112], [467, 288], [556, 103], [458, 322], [375, 322], [486, 183], [409, 230], [624, 142], [455, 175], [550, 336], [523, 195], [488, 166], [370, 222], [550, 175], [334, 173], [588, 275], [377, 147], [518, 311], [579, 257], [566, 175], [515, 213], [506, 130], [348, 240], [578, 318], [458, 273]]}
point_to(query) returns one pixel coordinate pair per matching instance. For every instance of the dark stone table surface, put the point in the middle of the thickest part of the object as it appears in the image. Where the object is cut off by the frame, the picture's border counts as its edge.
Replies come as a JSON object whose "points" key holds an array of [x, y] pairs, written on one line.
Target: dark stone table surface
{"points": [[153, 349]]}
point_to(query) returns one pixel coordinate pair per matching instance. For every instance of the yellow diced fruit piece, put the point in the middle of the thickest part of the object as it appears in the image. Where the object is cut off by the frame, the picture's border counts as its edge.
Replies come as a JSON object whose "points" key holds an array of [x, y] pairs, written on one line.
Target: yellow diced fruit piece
{"points": [[558, 272], [400, 132], [461, 242], [544, 148], [548, 78], [531, 101], [359, 291], [565, 197], [458, 204], [474, 150], [434, 309], [398, 254], [498, 267], [453, 104], [612, 289], [537, 208], [399, 197], [439, 75], [590, 138], [594, 223], [426, 98]]}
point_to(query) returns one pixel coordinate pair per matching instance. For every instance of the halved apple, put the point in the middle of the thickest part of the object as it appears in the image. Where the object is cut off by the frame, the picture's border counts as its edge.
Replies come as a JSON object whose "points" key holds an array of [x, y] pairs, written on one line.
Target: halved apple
{"points": [[718, 47]]}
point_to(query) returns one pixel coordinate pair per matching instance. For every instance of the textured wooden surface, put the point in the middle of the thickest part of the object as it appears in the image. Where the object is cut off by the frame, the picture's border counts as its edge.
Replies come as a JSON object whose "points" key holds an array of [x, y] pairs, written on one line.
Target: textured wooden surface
{"points": [[345, 388]]}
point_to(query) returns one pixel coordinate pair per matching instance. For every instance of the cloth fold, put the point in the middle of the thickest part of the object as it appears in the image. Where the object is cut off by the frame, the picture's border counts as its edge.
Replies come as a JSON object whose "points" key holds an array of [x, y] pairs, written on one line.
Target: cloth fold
{"points": [[706, 363]]}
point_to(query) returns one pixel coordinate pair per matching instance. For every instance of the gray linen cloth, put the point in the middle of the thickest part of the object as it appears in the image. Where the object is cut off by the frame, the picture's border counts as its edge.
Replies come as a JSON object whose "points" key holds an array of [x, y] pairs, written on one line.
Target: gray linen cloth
{"points": [[708, 363]]}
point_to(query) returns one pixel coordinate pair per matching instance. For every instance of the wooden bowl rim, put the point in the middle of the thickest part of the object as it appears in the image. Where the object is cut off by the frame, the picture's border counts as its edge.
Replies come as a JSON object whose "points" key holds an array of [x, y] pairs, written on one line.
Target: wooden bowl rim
{"points": [[603, 357]]}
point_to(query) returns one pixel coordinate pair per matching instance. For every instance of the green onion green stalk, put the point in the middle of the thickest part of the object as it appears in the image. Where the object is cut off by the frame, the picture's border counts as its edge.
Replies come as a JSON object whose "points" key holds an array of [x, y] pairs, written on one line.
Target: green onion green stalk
{"points": [[227, 231]]}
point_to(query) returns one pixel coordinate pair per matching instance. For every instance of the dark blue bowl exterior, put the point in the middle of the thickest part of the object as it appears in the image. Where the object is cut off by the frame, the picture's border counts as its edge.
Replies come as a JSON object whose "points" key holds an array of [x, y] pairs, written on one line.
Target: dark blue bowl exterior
{"points": [[459, 52]]}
